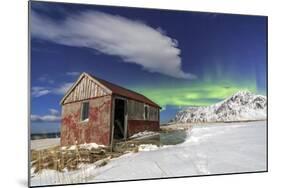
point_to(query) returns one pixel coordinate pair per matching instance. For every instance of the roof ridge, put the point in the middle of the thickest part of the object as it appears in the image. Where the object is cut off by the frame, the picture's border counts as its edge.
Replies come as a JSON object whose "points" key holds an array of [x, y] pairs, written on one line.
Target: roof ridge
{"points": [[116, 85]]}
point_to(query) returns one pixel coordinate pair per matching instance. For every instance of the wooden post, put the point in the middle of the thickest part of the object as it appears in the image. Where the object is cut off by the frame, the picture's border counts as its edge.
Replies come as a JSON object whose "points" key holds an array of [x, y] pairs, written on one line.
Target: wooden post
{"points": [[112, 123], [126, 119]]}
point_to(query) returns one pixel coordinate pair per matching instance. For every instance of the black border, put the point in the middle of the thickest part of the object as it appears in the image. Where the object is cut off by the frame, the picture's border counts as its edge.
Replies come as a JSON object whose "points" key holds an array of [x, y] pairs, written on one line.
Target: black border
{"points": [[118, 6]]}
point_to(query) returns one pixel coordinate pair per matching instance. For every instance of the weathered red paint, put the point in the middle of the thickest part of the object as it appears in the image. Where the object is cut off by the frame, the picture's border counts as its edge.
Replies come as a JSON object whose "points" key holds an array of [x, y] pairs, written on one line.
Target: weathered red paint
{"points": [[96, 129], [135, 126], [99, 126]]}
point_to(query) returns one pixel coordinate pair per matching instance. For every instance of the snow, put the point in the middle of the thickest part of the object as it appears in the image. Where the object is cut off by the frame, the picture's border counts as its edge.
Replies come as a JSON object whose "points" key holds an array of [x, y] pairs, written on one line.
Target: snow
{"points": [[44, 143], [73, 147], [144, 134], [91, 146], [83, 146], [52, 142], [242, 106], [208, 149], [147, 147], [86, 120]]}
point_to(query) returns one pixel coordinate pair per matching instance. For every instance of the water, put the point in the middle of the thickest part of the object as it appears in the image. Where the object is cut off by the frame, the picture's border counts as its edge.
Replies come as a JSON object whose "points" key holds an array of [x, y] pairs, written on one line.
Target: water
{"points": [[51, 129], [172, 137], [45, 127]]}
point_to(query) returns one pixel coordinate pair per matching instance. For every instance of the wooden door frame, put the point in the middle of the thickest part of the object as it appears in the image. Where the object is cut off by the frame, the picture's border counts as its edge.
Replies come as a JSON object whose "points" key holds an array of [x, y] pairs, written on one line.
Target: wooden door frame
{"points": [[125, 117]]}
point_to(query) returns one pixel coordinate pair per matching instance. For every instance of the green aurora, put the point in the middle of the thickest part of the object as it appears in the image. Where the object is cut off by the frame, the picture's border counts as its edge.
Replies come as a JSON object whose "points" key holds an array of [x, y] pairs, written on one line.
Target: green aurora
{"points": [[196, 94]]}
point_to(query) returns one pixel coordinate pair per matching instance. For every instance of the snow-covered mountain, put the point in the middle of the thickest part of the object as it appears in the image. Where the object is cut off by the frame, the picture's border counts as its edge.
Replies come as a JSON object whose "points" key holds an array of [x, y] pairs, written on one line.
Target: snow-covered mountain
{"points": [[242, 106]]}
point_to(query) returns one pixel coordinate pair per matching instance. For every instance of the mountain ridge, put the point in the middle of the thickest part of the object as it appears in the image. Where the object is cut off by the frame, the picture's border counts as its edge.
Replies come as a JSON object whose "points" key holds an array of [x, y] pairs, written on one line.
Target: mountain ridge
{"points": [[241, 106]]}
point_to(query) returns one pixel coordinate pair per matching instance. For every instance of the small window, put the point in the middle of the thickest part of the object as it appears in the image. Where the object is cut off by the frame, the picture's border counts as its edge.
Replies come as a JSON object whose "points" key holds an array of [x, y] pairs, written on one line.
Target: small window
{"points": [[145, 112], [85, 111]]}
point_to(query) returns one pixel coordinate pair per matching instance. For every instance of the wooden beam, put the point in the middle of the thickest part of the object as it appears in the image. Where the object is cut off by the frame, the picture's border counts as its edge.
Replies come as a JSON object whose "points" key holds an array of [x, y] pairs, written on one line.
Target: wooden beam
{"points": [[112, 122]]}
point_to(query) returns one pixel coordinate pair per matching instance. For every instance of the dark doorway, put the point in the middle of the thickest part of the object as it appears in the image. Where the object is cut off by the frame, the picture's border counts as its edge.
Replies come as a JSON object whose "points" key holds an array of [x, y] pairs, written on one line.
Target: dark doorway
{"points": [[119, 119]]}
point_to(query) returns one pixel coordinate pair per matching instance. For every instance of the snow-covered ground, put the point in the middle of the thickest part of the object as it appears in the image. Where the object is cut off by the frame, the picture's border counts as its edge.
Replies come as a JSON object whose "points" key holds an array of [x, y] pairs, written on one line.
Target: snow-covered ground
{"points": [[215, 149], [44, 143]]}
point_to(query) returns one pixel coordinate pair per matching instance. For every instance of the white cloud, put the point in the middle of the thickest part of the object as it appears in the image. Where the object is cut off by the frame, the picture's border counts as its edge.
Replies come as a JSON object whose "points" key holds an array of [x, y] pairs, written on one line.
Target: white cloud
{"points": [[45, 118], [53, 111], [132, 40], [62, 89], [39, 91], [73, 73], [54, 116], [46, 78]]}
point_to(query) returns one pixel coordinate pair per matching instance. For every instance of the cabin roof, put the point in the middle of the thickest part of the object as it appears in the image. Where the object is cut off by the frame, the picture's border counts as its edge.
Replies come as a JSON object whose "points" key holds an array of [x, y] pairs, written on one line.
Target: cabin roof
{"points": [[115, 89]]}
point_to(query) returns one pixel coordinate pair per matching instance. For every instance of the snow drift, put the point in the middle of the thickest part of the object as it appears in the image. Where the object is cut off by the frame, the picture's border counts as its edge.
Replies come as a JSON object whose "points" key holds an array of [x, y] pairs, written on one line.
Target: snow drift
{"points": [[210, 149], [242, 106]]}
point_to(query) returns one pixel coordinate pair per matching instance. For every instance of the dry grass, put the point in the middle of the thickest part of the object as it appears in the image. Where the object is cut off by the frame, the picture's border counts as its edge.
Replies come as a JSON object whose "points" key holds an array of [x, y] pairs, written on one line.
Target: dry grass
{"points": [[175, 127], [133, 145], [59, 159]]}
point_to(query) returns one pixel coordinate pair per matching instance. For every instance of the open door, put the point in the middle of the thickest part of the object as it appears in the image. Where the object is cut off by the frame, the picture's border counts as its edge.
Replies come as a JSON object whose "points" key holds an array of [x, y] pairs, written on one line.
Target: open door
{"points": [[119, 119]]}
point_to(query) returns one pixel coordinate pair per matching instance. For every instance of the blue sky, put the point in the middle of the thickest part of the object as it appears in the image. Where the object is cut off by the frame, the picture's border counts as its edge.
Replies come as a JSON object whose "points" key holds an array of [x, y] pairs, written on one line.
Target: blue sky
{"points": [[175, 58]]}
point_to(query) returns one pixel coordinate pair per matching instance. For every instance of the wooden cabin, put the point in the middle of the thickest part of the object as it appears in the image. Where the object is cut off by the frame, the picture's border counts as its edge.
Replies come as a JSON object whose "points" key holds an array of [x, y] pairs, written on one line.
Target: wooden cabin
{"points": [[97, 111]]}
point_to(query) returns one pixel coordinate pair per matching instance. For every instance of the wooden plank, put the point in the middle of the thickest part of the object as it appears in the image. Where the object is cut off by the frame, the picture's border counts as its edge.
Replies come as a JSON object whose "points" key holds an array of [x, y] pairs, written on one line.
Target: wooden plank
{"points": [[70, 96], [75, 94], [90, 89], [83, 89], [86, 89], [126, 120], [93, 89], [96, 92], [112, 122], [79, 91]]}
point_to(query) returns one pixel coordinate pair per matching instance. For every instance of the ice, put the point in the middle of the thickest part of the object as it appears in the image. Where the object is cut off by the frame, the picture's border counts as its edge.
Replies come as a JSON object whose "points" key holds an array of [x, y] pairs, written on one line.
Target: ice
{"points": [[144, 134], [147, 147]]}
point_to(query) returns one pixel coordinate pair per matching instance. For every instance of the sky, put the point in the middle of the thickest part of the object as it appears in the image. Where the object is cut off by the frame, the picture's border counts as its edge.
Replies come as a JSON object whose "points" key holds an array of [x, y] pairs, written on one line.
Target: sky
{"points": [[175, 58]]}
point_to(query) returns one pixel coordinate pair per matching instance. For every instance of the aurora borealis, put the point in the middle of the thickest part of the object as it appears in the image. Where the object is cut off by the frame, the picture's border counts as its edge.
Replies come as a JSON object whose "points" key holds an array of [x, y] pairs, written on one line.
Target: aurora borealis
{"points": [[175, 58], [194, 94]]}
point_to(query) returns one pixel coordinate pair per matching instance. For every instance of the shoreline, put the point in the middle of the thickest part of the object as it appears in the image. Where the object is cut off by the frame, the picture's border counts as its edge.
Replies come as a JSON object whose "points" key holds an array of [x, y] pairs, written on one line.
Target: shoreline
{"points": [[186, 126]]}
